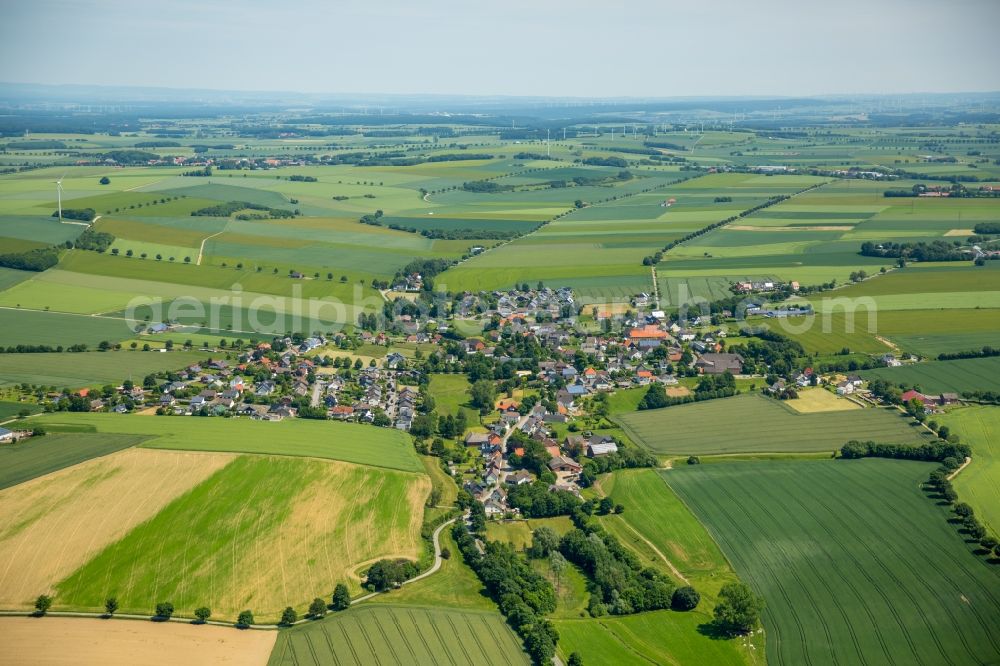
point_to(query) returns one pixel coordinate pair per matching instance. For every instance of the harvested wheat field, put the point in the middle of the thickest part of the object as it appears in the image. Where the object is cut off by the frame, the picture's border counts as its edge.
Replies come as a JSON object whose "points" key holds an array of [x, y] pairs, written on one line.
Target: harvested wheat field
{"points": [[813, 400], [55, 523], [55, 641], [262, 533]]}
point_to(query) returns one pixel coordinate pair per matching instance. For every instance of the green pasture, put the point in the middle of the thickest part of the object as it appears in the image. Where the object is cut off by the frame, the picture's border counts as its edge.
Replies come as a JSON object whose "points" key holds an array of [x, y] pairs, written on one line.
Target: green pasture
{"points": [[979, 484], [451, 394], [662, 530], [657, 637]]}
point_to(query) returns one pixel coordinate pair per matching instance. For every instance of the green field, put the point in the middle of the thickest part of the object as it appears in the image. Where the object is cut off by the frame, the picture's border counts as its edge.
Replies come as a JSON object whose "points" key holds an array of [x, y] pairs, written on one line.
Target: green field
{"points": [[932, 332], [979, 483], [454, 585], [11, 409], [75, 370], [451, 394], [349, 442], [657, 637], [665, 535], [845, 578], [37, 327], [658, 526], [41, 455], [376, 634], [219, 543], [829, 333], [752, 423], [972, 374]]}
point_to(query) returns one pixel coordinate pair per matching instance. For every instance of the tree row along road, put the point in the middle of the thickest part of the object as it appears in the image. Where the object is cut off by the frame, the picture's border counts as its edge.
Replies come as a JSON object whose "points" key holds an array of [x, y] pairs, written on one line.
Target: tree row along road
{"points": [[435, 538]]}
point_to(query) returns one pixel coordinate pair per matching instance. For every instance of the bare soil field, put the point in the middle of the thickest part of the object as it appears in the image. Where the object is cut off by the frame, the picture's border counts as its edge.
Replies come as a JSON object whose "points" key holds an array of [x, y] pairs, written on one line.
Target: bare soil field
{"points": [[56, 641], [55, 523]]}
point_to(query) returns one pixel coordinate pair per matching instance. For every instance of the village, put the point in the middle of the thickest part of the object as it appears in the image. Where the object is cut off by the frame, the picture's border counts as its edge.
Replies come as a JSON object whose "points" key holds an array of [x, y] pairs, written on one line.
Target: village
{"points": [[557, 369]]}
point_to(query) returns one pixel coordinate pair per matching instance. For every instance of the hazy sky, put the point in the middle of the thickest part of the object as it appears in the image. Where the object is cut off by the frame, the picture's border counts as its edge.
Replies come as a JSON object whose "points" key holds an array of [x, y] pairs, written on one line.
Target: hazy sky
{"points": [[645, 48]]}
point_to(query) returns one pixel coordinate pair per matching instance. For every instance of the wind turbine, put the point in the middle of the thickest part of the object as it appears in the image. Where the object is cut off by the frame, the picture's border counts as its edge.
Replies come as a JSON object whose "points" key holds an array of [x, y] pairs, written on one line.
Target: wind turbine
{"points": [[59, 194]]}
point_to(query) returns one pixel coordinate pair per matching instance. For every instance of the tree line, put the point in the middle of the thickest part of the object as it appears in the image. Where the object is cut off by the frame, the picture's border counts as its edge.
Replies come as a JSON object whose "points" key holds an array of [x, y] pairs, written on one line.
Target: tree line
{"points": [[709, 387], [937, 250], [523, 595], [36, 260], [85, 214], [229, 207]]}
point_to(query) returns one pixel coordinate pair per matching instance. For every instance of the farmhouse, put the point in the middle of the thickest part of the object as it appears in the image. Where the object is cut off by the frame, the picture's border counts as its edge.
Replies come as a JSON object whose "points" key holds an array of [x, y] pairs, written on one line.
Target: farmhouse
{"points": [[845, 388], [647, 332], [595, 449], [564, 464], [716, 364]]}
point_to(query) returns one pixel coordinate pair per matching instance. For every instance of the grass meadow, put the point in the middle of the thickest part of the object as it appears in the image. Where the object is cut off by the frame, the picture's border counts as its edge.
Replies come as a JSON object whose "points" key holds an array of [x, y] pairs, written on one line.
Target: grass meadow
{"points": [[845, 578], [979, 484]]}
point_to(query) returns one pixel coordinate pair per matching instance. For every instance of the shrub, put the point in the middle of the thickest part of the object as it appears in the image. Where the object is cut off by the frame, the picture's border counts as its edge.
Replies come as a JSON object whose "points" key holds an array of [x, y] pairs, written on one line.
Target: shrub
{"points": [[245, 619], [341, 597], [164, 610], [317, 608], [288, 616], [42, 604], [685, 598], [738, 609], [110, 605], [202, 614]]}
